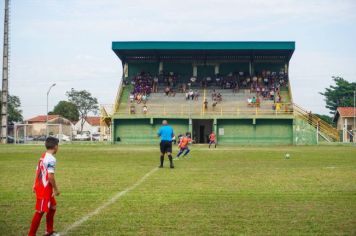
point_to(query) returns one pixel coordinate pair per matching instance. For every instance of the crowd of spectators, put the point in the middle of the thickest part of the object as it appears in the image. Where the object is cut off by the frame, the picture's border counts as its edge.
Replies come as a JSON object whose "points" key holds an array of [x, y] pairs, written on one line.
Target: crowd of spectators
{"points": [[266, 85], [192, 94]]}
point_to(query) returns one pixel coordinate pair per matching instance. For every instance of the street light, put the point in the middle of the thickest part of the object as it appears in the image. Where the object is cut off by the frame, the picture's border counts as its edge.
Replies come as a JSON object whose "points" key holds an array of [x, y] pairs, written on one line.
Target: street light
{"points": [[49, 90], [354, 128]]}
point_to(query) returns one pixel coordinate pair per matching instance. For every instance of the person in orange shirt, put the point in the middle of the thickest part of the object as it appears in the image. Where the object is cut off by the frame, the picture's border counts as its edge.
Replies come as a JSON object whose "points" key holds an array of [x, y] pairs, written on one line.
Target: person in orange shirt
{"points": [[183, 145], [212, 139]]}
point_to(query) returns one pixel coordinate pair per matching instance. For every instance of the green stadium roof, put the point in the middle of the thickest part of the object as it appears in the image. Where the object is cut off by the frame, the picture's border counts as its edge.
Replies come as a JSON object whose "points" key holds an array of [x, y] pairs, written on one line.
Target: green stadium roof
{"points": [[138, 48]]}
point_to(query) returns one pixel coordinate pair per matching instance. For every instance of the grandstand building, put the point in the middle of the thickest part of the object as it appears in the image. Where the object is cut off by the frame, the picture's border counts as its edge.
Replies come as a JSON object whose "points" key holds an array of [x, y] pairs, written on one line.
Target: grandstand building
{"points": [[239, 90]]}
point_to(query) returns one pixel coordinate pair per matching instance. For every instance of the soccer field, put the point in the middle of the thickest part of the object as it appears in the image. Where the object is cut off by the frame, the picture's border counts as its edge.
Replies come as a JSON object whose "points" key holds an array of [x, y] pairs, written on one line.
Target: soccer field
{"points": [[227, 191]]}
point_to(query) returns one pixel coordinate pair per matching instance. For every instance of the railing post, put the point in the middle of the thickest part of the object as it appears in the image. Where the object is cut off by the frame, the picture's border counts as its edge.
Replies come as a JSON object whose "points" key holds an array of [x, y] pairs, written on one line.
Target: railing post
{"points": [[317, 132], [164, 109], [221, 111]]}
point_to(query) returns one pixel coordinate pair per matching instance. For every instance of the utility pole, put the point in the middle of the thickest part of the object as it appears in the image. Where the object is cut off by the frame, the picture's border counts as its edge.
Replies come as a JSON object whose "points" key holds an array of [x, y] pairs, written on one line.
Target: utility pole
{"points": [[5, 74]]}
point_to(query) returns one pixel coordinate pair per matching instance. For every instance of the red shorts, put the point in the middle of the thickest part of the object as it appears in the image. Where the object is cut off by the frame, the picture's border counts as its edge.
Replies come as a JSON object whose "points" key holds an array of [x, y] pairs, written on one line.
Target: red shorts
{"points": [[44, 204]]}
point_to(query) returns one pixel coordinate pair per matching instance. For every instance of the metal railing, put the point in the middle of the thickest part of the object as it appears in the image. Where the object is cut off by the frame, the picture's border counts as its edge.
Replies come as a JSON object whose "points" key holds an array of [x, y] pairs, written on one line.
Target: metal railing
{"points": [[199, 109], [316, 122]]}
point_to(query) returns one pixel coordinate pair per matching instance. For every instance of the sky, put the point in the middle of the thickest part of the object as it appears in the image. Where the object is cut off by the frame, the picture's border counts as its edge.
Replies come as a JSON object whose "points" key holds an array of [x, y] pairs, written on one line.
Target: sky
{"points": [[68, 42]]}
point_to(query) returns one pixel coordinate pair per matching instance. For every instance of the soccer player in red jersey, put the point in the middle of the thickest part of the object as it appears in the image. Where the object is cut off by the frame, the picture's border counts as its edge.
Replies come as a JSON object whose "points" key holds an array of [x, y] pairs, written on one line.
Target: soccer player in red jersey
{"points": [[45, 188], [212, 139], [183, 145]]}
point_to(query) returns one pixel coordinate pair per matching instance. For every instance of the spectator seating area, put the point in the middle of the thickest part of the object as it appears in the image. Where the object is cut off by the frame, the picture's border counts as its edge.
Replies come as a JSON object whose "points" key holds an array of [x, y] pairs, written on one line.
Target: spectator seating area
{"points": [[168, 93]]}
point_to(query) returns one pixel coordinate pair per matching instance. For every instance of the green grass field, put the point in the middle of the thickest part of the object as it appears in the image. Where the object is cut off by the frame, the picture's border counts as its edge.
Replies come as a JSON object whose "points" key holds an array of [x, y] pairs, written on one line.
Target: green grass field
{"points": [[227, 191]]}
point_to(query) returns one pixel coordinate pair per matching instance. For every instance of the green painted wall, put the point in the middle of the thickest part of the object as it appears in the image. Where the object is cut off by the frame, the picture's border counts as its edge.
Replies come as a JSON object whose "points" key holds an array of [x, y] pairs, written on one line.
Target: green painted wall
{"points": [[135, 68], [204, 71], [180, 126], [226, 68], [133, 131], [236, 131], [184, 69], [142, 131], [303, 133], [266, 131]]}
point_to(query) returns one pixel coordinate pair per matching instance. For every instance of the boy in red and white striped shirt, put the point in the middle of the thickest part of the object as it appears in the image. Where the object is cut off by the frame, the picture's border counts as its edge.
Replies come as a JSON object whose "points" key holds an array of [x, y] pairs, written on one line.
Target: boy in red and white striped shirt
{"points": [[45, 188]]}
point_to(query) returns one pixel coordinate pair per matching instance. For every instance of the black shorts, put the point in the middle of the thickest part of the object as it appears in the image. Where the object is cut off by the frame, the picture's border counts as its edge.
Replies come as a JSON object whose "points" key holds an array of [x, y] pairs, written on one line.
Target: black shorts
{"points": [[166, 146]]}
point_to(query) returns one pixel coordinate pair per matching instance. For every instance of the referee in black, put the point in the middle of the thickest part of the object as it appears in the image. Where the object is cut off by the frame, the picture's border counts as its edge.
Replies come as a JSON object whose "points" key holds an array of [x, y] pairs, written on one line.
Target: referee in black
{"points": [[166, 134]]}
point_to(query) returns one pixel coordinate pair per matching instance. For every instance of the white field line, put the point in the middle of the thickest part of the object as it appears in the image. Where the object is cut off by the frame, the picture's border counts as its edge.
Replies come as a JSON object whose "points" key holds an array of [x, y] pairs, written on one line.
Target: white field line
{"points": [[108, 203]]}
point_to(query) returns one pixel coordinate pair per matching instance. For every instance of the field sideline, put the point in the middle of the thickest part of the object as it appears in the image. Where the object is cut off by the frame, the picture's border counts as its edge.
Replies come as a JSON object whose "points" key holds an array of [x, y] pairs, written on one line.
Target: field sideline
{"points": [[227, 191]]}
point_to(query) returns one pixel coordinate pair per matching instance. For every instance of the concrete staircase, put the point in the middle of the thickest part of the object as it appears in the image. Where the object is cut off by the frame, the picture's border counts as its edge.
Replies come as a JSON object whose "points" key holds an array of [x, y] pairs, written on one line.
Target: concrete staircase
{"points": [[232, 103]]}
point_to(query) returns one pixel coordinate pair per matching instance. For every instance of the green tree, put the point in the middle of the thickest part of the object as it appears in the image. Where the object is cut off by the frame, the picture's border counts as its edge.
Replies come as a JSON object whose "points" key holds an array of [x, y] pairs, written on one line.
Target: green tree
{"points": [[339, 95], [84, 102], [67, 110], [326, 118], [13, 109]]}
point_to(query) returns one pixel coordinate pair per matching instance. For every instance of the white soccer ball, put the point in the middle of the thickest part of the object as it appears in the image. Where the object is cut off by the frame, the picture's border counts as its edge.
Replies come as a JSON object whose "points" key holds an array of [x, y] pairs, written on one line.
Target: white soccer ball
{"points": [[287, 155]]}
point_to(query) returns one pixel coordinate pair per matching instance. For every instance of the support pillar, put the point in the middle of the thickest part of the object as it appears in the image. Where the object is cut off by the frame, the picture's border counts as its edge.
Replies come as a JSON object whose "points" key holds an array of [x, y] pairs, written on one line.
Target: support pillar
{"points": [[160, 67], [217, 69], [126, 70], [112, 131], [195, 70], [249, 67], [190, 128], [215, 128]]}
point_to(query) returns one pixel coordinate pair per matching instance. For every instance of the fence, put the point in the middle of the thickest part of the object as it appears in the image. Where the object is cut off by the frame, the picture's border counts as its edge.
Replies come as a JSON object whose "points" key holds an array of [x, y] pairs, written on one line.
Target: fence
{"points": [[37, 133], [198, 109]]}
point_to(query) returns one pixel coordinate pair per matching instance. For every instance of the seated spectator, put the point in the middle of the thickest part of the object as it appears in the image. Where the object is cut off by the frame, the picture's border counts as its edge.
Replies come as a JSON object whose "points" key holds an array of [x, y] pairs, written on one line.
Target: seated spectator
{"points": [[155, 84], [258, 102], [144, 109], [253, 100], [191, 94], [235, 87], [132, 97], [219, 97], [139, 98], [184, 87], [265, 81], [167, 90], [208, 80], [193, 79], [206, 104], [217, 80], [213, 94], [204, 83], [144, 98], [249, 101], [214, 105], [132, 109], [196, 95], [172, 93], [258, 90], [271, 94]]}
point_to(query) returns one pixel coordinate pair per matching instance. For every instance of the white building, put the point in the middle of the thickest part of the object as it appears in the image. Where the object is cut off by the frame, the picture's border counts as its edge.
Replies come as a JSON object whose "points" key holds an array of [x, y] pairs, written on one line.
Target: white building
{"points": [[345, 120], [91, 125]]}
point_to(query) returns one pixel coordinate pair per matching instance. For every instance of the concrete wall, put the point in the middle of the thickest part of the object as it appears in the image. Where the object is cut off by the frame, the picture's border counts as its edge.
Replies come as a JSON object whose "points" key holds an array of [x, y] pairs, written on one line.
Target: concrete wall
{"points": [[229, 131], [264, 131], [144, 130], [303, 133]]}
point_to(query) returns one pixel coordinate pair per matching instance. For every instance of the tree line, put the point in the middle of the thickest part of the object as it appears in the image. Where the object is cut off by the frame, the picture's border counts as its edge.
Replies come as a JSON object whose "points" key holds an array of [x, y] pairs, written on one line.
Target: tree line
{"points": [[80, 103], [77, 107]]}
